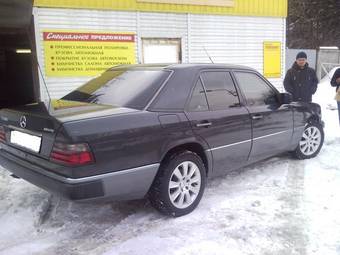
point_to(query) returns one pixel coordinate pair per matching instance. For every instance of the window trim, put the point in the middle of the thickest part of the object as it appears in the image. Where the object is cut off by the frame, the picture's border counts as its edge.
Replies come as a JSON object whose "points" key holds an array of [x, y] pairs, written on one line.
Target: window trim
{"points": [[187, 104], [153, 98]]}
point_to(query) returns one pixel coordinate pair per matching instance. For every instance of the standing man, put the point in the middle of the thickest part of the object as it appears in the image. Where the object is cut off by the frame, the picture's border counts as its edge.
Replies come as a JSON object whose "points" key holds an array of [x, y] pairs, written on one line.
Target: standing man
{"points": [[301, 80], [335, 82]]}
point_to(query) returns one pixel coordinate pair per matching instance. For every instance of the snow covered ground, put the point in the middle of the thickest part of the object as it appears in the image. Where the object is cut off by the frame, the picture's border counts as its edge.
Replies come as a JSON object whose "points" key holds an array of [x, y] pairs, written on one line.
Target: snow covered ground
{"points": [[279, 206]]}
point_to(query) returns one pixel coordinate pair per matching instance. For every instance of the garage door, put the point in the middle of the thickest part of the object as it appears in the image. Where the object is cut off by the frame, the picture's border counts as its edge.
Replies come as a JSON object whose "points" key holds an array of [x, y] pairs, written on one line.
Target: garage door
{"points": [[18, 74]]}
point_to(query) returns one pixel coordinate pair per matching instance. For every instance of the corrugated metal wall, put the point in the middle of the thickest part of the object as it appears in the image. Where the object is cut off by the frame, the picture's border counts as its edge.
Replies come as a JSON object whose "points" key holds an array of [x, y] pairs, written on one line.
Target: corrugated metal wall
{"points": [[167, 25], [235, 40], [228, 39]]}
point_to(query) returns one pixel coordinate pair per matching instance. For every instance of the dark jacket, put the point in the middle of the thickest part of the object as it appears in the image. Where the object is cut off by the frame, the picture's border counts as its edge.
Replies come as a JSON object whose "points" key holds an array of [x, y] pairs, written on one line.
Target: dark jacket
{"points": [[301, 83], [335, 76]]}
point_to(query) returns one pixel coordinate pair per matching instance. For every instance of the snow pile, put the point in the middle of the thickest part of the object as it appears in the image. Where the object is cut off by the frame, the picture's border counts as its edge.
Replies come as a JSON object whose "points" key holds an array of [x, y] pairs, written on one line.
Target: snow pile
{"points": [[22, 208], [325, 97]]}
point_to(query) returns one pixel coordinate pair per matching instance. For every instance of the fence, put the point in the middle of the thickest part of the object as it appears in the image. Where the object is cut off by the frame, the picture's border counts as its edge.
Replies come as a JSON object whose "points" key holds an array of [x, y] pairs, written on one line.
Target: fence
{"points": [[327, 60]]}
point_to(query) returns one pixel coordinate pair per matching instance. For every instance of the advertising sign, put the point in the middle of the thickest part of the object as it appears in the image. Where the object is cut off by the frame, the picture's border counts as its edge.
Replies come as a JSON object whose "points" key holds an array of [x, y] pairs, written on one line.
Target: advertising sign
{"points": [[86, 53], [272, 59]]}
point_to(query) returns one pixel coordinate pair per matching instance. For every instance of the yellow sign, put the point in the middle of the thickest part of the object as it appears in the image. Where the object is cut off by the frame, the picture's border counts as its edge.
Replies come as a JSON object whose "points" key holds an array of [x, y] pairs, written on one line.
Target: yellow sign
{"points": [[86, 54], [272, 59]]}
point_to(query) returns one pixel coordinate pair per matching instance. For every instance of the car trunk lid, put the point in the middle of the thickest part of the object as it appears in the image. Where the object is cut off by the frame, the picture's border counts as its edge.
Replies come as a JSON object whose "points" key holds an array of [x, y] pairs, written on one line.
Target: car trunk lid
{"points": [[33, 128], [65, 111], [29, 128]]}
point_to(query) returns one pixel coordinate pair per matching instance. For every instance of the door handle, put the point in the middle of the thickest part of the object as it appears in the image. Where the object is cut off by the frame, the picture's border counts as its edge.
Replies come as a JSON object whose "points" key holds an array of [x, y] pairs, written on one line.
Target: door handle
{"points": [[204, 124], [257, 117], [286, 106]]}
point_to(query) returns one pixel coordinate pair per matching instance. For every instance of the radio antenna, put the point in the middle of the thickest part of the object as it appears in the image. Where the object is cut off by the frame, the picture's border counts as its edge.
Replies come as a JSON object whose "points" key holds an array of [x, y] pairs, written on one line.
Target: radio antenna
{"points": [[45, 85], [39, 68], [208, 55]]}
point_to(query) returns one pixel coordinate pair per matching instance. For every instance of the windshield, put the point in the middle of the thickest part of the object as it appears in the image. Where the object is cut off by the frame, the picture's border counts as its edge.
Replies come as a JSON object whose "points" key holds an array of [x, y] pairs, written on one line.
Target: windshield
{"points": [[125, 88]]}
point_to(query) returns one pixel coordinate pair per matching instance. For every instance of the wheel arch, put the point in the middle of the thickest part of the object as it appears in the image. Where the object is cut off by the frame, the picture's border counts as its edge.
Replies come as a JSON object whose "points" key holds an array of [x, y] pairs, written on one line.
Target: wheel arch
{"points": [[314, 118], [193, 146]]}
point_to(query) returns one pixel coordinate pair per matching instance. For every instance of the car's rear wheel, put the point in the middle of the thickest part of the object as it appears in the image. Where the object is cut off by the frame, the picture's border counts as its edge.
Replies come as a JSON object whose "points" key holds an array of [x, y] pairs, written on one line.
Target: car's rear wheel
{"points": [[179, 185], [311, 141]]}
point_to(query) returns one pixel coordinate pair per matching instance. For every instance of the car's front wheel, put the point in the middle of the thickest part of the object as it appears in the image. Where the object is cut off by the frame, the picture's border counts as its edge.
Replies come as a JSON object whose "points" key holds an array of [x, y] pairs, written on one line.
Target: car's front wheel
{"points": [[179, 185], [311, 141]]}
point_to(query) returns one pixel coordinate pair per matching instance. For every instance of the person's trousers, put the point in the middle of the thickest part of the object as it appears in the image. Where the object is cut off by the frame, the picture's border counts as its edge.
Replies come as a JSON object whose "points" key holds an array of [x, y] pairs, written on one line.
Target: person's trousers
{"points": [[339, 110]]}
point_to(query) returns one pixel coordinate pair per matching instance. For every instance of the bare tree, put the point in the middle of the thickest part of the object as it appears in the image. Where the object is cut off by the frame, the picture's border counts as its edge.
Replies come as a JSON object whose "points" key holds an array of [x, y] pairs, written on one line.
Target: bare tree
{"points": [[313, 23]]}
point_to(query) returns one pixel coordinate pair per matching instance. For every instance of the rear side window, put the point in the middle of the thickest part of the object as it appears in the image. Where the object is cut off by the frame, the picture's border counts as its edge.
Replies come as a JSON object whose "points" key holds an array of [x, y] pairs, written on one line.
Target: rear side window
{"points": [[254, 88], [220, 89], [125, 88], [198, 100]]}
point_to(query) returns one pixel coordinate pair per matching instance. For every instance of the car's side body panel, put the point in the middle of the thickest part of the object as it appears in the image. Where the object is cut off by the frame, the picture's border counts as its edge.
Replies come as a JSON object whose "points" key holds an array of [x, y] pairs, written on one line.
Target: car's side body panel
{"points": [[120, 142], [303, 113], [272, 122], [177, 132], [272, 133], [229, 136]]}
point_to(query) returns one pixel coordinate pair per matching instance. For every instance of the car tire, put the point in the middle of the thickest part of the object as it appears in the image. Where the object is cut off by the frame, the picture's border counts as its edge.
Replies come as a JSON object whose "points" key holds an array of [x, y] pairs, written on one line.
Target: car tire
{"points": [[311, 141], [179, 184]]}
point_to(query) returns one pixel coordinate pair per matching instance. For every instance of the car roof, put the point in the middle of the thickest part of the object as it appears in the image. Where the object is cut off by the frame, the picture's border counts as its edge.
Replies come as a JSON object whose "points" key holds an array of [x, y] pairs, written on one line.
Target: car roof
{"points": [[206, 66], [191, 67]]}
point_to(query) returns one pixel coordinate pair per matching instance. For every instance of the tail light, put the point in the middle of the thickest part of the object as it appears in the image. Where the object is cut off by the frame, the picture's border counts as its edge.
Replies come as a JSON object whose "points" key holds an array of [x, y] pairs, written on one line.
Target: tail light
{"points": [[71, 154], [2, 134]]}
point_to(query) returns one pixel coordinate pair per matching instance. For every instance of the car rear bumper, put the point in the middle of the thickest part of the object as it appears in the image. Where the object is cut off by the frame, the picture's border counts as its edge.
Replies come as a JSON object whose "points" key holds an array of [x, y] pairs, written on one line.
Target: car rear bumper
{"points": [[122, 185]]}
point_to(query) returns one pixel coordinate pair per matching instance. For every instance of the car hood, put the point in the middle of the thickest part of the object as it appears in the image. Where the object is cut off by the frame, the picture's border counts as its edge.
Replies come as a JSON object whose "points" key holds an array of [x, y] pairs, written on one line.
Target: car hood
{"points": [[313, 108]]}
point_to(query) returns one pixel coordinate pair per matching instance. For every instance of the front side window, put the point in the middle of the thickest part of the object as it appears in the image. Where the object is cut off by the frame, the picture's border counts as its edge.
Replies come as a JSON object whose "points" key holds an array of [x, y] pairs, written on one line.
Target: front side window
{"points": [[220, 89], [124, 88], [256, 90]]}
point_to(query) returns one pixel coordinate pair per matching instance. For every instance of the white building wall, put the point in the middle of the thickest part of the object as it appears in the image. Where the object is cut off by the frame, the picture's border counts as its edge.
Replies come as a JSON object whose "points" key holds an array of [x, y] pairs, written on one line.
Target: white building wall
{"points": [[167, 25], [234, 40], [227, 39]]}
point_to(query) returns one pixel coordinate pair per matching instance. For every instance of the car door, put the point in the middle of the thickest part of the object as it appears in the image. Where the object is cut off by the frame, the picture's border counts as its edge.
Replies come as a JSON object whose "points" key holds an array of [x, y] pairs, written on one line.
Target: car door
{"points": [[217, 116], [272, 122]]}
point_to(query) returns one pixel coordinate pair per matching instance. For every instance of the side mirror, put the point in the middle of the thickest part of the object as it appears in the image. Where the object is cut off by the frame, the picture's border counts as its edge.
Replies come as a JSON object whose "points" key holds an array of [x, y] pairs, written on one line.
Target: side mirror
{"points": [[286, 98]]}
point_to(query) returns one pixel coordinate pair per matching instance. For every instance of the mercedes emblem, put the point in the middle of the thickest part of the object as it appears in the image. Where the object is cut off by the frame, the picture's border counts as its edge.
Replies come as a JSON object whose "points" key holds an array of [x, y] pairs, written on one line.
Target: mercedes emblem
{"points": [[23, 122]]}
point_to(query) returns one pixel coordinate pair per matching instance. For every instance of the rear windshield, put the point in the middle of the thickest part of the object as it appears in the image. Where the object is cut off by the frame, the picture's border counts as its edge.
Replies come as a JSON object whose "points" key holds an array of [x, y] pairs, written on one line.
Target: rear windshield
{"points": [[125, 88]]}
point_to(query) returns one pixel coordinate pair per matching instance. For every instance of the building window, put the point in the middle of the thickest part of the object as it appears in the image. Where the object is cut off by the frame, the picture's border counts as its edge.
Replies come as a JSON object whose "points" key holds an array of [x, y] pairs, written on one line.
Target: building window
{"points": [[161, 50]]}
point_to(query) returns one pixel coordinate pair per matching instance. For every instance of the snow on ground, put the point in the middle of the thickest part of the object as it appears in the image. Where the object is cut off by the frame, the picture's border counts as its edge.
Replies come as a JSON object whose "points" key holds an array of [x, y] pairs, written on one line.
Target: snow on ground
{"points": [[278, 206]]}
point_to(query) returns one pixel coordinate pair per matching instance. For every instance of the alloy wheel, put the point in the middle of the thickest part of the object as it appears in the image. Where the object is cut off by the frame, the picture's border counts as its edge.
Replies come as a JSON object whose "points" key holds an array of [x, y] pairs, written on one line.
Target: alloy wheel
{"points": [[311, 140], [184, 185]]}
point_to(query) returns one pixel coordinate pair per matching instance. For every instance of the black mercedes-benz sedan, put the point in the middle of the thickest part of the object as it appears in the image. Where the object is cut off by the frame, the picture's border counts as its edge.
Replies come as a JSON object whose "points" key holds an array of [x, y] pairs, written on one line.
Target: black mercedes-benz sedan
{"points": [[158, 131]]}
